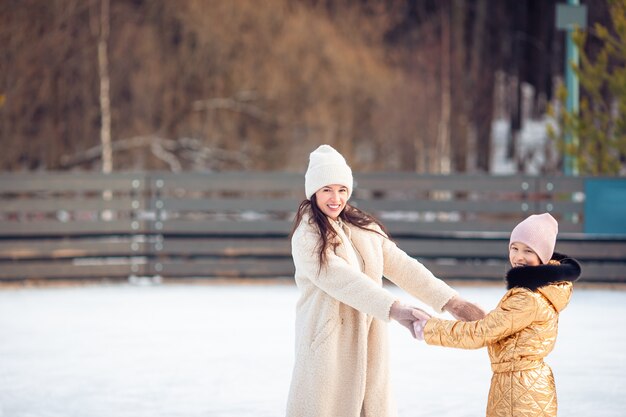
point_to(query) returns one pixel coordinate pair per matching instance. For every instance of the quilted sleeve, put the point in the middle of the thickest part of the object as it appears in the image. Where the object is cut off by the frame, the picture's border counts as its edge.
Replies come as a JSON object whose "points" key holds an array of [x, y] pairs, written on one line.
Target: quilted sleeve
{"points": [[516, 310]]}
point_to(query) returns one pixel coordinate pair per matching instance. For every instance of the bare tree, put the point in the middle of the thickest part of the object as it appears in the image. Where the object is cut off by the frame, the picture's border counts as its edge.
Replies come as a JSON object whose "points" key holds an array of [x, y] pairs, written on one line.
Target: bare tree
{"points": [[105, 96], [443, 137]]}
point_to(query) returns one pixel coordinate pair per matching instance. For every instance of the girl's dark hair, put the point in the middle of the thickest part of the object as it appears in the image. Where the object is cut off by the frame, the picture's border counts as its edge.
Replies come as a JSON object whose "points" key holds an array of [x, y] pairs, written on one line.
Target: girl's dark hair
{"points": [[350, 214]]}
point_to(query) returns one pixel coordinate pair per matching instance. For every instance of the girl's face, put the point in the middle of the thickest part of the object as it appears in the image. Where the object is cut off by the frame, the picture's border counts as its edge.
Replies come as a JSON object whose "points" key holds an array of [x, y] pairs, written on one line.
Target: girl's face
{"points": [[522, 255], [332, 199]]}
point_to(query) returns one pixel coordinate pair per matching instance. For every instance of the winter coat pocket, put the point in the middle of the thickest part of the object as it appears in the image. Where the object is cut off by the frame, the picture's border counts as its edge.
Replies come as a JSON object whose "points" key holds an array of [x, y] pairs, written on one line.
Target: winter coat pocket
{"points": [[324, 333]]}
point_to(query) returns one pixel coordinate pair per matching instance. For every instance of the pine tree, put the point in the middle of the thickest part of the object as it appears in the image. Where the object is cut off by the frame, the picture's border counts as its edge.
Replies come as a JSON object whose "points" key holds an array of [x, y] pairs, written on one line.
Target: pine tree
{"points": [[600, 125]]}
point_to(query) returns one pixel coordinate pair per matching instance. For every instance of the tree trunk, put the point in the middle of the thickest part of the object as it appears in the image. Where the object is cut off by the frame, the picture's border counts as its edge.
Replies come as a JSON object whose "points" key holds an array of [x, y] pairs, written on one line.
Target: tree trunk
{"points": [[480, 98], [461, 85], [442, 161], [105, 100]]}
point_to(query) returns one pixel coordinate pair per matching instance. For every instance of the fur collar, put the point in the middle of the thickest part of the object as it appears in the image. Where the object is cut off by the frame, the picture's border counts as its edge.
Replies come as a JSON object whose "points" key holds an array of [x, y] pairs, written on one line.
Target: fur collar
{"points": [[533, 277]]}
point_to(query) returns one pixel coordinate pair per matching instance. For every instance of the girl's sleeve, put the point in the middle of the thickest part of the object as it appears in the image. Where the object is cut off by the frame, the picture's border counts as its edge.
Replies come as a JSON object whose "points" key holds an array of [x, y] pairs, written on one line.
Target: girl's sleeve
{"points": [[339, 279], [514, 313], [413, 277]]}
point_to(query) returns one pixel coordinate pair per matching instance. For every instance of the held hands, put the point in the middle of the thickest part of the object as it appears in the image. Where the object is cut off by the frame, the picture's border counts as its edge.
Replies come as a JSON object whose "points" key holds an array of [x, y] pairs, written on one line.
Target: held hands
{"points": [[463, 310], [415, 319], [421, 317], [406, 316]]}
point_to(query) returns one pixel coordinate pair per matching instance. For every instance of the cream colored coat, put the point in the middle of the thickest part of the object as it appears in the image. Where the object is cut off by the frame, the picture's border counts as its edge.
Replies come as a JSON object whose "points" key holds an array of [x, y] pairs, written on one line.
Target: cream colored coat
{"points": [[341, 354]]}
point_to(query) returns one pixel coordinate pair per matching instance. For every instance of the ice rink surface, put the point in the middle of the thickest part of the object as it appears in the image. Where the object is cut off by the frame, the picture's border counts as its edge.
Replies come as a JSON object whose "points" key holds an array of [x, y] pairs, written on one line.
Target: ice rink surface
{"points": [[224, 350]]}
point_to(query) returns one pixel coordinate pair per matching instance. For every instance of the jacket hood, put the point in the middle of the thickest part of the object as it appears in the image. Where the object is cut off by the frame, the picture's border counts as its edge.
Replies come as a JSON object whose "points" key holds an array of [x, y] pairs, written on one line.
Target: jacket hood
{"points": [[552, 279], [558, 294], [534, 277]]}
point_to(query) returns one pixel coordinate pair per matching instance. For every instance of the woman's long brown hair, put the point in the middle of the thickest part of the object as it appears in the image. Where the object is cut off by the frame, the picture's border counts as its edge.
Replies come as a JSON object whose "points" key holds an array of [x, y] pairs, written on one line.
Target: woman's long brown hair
{"points": [[350, 214]]}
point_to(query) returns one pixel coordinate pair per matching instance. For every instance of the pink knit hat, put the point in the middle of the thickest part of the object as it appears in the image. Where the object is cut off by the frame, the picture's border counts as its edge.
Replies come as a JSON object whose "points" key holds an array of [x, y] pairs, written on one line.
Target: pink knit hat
{"points": [[538, 232]]}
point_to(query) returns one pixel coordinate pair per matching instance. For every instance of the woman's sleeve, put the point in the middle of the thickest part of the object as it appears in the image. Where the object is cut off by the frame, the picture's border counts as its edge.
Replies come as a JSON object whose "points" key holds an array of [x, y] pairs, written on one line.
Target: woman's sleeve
{"points": [[413, 277], [514, 313], [339, 279]]}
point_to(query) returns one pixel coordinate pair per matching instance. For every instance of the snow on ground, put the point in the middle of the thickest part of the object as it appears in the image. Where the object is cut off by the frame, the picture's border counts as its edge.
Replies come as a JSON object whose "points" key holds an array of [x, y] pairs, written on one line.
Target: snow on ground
{"points": [[226, 351]]}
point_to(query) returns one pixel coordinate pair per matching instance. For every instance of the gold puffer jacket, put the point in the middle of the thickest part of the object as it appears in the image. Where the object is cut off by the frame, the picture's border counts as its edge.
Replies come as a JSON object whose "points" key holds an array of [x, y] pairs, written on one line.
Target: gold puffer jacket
{"points": [[519, 333]]}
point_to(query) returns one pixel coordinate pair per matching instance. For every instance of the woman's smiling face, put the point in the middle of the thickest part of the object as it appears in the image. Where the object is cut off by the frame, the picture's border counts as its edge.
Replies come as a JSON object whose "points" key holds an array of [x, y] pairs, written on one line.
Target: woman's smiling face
{"points": [[331, 199]]}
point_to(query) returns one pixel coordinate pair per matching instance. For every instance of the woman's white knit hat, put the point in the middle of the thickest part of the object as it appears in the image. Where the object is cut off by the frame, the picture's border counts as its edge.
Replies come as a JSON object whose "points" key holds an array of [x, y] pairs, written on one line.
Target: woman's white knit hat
{"points": [[538, 232], [326, 167]]}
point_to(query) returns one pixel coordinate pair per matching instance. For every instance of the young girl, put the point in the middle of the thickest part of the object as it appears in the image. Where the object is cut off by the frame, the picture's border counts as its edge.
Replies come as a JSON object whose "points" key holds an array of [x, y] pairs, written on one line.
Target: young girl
{"points": [[341, 255], [522, 329]]}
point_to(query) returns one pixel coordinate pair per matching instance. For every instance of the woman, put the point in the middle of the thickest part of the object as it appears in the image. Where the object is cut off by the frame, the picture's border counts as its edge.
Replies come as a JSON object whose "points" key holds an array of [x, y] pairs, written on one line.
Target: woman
{"points": [[341, 255]]}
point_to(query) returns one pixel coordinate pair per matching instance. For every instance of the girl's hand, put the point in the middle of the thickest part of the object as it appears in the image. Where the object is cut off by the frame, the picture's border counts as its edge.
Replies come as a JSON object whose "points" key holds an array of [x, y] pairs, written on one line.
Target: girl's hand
{"points": [[421, 317]]}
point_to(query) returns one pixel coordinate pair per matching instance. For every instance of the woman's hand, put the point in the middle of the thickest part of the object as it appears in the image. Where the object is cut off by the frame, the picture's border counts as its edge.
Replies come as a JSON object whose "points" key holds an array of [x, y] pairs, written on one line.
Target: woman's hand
{"points": [[463, 310], [405, 315]]}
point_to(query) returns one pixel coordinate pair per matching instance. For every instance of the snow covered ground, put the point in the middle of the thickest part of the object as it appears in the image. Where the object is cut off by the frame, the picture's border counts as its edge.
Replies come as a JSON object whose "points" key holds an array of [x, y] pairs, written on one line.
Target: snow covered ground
{"points": [[226, 351]]}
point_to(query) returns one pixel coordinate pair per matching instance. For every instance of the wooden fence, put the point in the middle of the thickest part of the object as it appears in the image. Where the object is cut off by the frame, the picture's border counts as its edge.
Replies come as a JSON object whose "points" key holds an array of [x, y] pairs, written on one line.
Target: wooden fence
{"points": [[152, 224]]}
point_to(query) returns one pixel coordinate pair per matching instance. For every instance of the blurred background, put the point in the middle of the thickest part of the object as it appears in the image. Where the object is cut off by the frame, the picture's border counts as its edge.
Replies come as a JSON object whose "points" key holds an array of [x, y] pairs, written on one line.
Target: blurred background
{"points": [[455, 86], [169, 138]]}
